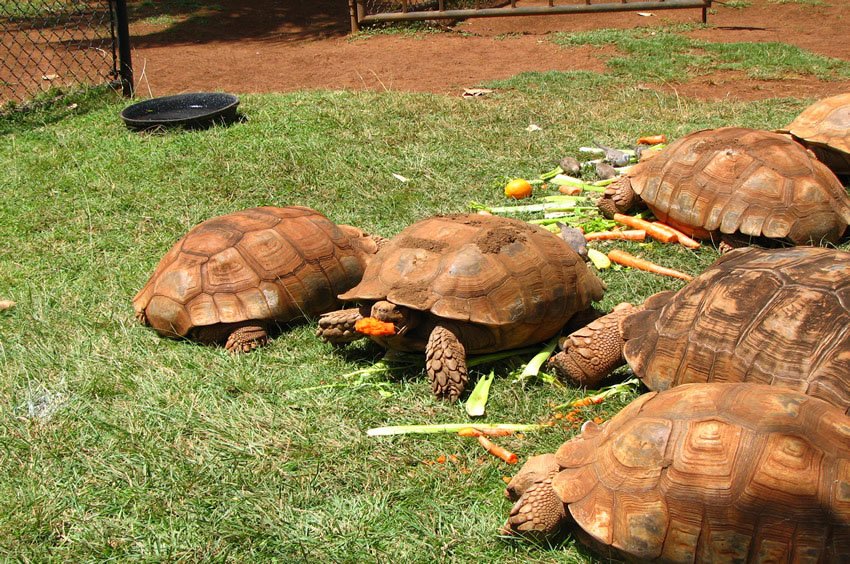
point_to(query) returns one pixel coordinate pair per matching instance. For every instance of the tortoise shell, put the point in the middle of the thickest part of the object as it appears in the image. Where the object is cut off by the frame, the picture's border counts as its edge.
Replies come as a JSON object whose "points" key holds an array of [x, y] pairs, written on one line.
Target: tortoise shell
{"points": [[738, 180], [714, 473], [485, 270], [773, 316], [266, 263], [824, 127]]}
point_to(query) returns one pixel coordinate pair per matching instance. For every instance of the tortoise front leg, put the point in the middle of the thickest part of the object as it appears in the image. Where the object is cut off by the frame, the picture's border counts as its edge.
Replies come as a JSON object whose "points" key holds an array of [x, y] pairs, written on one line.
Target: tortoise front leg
{"points": [[445, 363], [592, 352], [538, 514], [247, 338], [337, 327], [619, 197]]}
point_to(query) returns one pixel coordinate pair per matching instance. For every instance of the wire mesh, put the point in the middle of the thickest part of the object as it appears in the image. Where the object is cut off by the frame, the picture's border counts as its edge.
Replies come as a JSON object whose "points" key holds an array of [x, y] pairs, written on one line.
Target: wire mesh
{"points": [[48, 44], [390, 6]]}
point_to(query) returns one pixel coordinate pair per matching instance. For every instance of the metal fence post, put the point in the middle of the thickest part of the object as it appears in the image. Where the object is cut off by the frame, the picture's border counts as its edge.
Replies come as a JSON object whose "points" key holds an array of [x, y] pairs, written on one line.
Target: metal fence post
{"points": [[125, 65]]}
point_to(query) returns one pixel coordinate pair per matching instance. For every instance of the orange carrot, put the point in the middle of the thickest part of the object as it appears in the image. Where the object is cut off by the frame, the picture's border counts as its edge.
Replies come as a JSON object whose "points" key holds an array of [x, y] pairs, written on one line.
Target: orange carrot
{"points": [[649, 227], [681, 238], [588, 400], [372, 326], [652, 140], [570, 190], [477, 432], [624, 235], [626, 259], [497, 450]]}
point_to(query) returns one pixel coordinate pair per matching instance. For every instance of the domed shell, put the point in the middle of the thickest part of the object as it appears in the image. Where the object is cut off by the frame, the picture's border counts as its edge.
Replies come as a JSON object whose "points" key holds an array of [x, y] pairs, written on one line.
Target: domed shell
{"points": [[824, 127], [738, 180], [773, 316], [714, 473], [265, 263], [483, 269]]}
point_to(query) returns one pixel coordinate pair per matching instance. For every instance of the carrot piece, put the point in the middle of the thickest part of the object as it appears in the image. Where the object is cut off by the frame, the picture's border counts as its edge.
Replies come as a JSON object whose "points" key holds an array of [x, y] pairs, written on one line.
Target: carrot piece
{"points": [[372, 326], [681, 238], [498, 451], [624, 235], [477, 432], [626, 259], [652, 140], [588, 400], [651, 230]]}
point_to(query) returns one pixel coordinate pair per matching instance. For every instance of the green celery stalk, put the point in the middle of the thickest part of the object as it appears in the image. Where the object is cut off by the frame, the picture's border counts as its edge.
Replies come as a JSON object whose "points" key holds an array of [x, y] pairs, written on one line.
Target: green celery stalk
{"points": [[449, 428]]}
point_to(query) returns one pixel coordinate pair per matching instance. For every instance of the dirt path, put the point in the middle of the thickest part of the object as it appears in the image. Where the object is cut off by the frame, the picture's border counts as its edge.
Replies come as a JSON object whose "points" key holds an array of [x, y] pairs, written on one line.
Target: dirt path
{"points": [[281, 46]]}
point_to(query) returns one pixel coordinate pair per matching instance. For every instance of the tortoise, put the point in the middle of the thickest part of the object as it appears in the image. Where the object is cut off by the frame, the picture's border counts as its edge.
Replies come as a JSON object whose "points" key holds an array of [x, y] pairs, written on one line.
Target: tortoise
{"points": [[771, 316], [824, 128], [232, 277], [733, 472], [463, 284], [735, 184]]}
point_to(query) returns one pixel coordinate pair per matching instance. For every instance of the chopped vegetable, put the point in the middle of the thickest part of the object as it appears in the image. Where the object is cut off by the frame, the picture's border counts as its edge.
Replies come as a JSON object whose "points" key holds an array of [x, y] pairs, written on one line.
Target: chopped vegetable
{"points": [[372, 326], [599, 259], [477, 400], [476, 432], [681, 238], [448, 428], [533, 367], [600, 396], [623, 235], [6, 304], [518, 188], [497, 450], [652, 140], [651, 230], [626, 259]]}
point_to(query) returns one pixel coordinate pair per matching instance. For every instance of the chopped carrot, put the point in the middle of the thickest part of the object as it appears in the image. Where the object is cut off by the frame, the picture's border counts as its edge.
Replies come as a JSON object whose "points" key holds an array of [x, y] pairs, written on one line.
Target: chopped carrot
{"points": [[478, 431], [506, 479], [681, 238], [569, 190], [623, 235], [498, 451], [626, 259], [652, 140], [651, 229], [598, 420], [588, 400], [372, 326], [453, 458]]}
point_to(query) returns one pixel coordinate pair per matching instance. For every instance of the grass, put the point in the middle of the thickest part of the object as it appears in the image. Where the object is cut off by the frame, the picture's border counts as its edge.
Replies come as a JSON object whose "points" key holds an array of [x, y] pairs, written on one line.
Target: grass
{"points": [[116, 444], [666, 54]]}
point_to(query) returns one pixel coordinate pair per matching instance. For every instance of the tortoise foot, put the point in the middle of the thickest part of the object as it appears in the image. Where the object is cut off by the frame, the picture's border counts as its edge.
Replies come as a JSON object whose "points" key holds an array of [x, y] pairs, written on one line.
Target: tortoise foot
{"points": [[445, 363], [142, 318], [337, 327], [539, 513], [246, 339], [592, 352]]}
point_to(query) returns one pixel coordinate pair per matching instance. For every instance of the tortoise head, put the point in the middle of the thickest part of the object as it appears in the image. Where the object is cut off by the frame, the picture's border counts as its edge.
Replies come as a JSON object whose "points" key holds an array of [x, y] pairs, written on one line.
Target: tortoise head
{"points": [[403, 318]]}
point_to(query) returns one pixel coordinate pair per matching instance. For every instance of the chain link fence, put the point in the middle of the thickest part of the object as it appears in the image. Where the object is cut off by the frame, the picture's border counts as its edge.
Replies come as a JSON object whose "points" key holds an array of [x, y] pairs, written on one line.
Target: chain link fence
{"points": [[55, 44]]}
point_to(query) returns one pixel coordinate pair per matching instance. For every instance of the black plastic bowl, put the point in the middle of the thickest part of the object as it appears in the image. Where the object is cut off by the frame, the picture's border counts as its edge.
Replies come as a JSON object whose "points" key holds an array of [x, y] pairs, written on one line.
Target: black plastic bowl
{"points": [[199, 109]]}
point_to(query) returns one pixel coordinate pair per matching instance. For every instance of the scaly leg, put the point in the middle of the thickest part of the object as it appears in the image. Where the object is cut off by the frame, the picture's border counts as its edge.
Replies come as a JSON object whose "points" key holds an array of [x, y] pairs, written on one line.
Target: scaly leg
{"points": [[337, 327], [445, 363], [245, 339]]}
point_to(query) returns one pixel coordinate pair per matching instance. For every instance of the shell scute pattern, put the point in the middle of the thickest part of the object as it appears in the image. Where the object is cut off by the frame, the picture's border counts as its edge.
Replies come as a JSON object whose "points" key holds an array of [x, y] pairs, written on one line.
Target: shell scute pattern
{"points": [[739, 180], [257, 264], [824, 127], [773, 316], [738, 471]]}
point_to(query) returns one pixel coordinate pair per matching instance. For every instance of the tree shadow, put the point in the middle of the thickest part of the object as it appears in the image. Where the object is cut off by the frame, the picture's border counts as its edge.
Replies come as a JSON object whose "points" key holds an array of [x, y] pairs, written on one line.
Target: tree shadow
{"points": [[194, 22]]}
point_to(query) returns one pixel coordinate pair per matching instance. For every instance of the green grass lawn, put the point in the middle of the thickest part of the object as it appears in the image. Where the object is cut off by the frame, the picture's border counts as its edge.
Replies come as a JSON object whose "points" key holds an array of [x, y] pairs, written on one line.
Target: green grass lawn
{"points": [[116, 444]]}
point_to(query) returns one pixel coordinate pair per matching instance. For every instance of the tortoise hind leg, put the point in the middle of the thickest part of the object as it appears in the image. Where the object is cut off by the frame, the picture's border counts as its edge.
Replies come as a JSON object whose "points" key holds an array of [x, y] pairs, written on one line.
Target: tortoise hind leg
{"points": [[445, 363], [337, 327], [246, 338]]}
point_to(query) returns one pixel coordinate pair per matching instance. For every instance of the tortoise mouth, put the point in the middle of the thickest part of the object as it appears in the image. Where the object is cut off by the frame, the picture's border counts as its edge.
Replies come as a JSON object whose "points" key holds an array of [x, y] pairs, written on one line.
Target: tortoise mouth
{"points": [[375, 327]]}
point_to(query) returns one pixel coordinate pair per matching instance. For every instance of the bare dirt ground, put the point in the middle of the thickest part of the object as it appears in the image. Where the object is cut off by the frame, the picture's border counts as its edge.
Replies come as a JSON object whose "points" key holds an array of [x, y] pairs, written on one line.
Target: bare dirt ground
{"points": [[276, 45]]}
